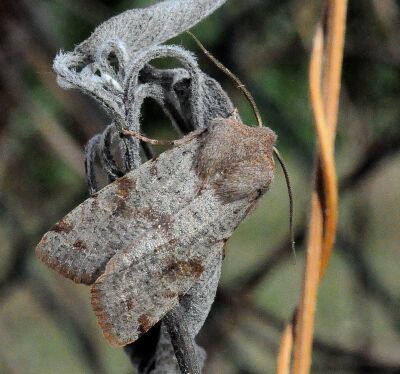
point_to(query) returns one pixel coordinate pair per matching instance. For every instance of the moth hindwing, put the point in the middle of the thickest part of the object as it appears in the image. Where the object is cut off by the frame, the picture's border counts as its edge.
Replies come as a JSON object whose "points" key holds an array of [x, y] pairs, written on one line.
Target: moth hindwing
{"points": [[146, 239]]}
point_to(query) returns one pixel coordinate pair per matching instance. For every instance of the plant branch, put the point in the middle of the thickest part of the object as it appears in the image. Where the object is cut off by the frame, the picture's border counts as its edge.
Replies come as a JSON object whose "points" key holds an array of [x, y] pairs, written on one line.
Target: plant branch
{"points": [[324, 82], [182, 342]]}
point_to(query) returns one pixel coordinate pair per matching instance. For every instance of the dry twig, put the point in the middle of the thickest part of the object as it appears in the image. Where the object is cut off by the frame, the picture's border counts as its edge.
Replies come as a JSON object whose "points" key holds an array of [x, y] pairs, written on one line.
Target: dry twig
{"points": [[324, 75]]}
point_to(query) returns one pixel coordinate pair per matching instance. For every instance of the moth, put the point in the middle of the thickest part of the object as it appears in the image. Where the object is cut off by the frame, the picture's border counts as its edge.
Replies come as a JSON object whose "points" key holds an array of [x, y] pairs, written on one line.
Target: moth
{"points": [[144, 240]]}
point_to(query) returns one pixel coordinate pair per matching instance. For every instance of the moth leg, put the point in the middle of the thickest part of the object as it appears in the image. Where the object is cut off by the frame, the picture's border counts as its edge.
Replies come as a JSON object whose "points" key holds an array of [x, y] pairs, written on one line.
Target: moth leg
{"points": [[145, 139], [91, 150]]}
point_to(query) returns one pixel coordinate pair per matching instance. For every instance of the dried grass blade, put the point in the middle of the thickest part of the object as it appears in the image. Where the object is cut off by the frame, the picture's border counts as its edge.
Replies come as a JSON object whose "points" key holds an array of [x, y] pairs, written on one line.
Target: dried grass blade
{"points": [[324, 81], [302, 351], [285, 350], [332, 83]]}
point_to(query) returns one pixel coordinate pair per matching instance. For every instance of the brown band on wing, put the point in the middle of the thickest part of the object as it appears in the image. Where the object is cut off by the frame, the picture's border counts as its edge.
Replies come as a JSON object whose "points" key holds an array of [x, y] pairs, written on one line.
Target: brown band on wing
{"points": [[103, 318], [62, 226], [125, 186], [144, 322]]}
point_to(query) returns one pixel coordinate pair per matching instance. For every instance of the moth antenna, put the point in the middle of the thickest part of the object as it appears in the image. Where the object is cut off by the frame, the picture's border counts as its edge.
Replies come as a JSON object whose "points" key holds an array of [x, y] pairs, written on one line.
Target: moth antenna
{"points": [[291, 203], [224, 69]]}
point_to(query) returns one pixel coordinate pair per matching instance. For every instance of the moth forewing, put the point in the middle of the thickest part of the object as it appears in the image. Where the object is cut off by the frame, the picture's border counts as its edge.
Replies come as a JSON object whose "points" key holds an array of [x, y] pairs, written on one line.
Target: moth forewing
{"points": [[80, 244], [158, 228]]}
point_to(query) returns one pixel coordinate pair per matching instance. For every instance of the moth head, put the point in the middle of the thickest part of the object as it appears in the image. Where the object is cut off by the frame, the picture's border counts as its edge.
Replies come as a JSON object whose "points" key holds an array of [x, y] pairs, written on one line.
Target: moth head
{"points": [[237, 160], [230, 139]]}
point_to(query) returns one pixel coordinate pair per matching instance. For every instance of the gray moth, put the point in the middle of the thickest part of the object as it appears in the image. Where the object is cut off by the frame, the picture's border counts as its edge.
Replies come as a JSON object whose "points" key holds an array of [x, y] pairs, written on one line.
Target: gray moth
{"points": [[147, 239]]}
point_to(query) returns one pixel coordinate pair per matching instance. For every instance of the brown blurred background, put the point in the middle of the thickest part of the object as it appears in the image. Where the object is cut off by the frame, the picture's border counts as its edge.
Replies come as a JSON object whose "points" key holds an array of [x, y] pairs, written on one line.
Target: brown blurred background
{"points": [[46, 323]]}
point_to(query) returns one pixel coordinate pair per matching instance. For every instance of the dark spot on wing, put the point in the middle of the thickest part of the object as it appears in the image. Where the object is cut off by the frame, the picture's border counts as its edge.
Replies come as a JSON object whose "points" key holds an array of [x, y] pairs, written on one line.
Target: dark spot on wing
{"points": [[153, 169], [173, 242], [122, 209], [195, 267], [161, 221], [191, 268], [144, 323], [165, 222], [79, 244], [125, 185], [170, 294], [62, 226], [129, 303]]}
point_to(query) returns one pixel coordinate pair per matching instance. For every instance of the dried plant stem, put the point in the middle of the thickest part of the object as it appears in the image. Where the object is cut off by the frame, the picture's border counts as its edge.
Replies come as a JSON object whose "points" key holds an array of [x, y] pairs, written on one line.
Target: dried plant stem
{"points": [[334, 52], [182, 342], [302, 351], [325, 181], [331, 91], [324, 82], [285, 350]]}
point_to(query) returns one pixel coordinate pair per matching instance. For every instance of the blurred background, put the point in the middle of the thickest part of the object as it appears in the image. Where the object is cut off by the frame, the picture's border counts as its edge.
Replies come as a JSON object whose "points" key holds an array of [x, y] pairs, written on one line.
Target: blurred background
{"points": [[46, 322]]}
